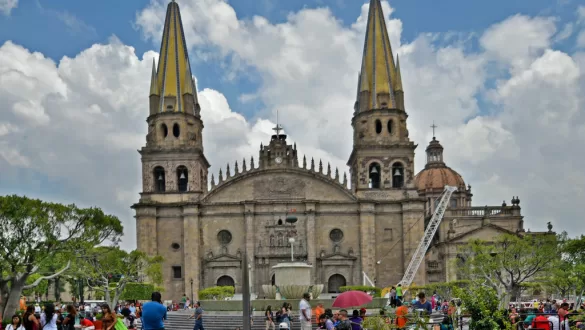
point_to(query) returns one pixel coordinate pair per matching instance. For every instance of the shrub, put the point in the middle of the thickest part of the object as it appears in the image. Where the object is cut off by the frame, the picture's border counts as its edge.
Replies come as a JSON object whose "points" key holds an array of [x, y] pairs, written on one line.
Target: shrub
{"points": [[137, 291], [367, 289], [216, 293], [482, 303]]}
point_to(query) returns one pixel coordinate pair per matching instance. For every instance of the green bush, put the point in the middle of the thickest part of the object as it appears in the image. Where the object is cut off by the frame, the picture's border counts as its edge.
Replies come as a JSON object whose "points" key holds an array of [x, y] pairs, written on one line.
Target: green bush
{"points": [[367, 289], [216, 292], [482, 304], [137, 291]]}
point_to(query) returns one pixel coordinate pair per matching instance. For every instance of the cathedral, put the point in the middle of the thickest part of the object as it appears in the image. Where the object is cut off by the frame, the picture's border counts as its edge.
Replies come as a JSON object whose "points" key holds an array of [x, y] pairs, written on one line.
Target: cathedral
{"points": [[348, 229]]}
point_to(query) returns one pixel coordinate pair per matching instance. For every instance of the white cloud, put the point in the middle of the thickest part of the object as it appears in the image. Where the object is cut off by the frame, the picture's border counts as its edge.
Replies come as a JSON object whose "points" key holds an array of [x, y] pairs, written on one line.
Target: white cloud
{"points": [[6, 6], [80, 120], [581, 39], [519, 39]]}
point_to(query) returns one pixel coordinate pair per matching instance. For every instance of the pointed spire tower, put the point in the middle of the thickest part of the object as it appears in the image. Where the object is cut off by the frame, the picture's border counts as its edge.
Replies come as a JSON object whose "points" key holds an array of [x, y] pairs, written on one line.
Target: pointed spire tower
{"points": [[383, 155], [174, 85], [379, 77], [175, 125]]}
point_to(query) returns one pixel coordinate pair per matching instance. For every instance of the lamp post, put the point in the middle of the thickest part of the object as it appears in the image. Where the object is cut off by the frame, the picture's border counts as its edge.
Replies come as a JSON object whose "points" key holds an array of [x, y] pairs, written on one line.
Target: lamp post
{"points": [[192, 294]]}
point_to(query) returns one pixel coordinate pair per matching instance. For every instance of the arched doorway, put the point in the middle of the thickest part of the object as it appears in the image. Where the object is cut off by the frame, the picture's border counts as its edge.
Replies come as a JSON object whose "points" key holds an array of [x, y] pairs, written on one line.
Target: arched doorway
{"points": [[225, 281], [273, 279], [335, 282]]}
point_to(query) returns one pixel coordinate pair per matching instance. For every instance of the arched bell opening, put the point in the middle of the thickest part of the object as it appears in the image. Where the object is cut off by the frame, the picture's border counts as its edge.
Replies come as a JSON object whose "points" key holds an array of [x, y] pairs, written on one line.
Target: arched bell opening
{"points": [[374, 175]]}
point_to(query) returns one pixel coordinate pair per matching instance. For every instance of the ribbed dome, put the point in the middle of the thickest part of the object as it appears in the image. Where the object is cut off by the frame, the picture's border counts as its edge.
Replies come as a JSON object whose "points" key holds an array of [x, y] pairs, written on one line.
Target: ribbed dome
{"points": [[438, 178]]}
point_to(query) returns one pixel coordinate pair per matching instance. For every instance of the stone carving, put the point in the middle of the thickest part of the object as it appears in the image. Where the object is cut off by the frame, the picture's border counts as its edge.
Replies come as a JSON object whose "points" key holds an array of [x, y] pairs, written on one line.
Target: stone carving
{"points": [[278, 187], [269, 291], [376, 194]]}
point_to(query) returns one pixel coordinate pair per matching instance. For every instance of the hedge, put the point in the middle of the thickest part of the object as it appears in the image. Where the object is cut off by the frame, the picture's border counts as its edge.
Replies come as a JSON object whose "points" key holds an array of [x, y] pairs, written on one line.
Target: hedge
{"points": [[367, 289], [444, 289], [216, 293], [137, 291]]}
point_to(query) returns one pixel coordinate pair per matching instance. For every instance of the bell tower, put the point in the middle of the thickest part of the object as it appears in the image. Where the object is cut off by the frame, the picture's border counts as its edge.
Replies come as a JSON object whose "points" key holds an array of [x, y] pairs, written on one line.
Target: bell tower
{"points": [[173, 162], [383, 155]]}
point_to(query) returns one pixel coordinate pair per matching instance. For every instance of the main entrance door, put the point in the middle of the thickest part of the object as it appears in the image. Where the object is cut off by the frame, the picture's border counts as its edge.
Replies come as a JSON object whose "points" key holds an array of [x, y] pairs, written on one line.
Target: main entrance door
{"points": [[335, 282], [225, 281]]}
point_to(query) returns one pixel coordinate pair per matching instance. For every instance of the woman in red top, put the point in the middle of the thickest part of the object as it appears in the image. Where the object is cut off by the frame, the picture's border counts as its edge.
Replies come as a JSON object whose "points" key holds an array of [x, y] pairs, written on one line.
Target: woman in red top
{"points": [[87, 324]]}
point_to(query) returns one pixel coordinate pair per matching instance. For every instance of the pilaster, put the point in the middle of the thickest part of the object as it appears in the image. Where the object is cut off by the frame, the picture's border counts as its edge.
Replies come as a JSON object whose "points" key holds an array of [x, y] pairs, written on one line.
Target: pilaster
{"points": [[413, 228], [146, 235], [191, 249], [311, 240], [250, 240], [367, 239]]}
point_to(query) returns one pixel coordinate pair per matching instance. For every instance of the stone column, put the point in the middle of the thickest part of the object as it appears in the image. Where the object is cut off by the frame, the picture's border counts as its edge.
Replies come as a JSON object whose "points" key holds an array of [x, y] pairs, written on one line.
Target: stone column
{"points": [[412, 219], [250, 243], [311, 240], [146, 238], [191, 249], [367, 241]]}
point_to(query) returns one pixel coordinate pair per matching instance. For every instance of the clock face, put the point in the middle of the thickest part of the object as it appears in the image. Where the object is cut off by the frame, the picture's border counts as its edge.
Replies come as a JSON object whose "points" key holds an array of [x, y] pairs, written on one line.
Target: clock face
{"points": [[278, 160]]}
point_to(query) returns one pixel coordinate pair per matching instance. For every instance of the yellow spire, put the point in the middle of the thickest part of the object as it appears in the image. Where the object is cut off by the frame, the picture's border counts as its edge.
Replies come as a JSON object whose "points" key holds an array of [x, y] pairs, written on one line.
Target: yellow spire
{"points": [[153, 81], [378, 70], [398, 80], [174, 71]]}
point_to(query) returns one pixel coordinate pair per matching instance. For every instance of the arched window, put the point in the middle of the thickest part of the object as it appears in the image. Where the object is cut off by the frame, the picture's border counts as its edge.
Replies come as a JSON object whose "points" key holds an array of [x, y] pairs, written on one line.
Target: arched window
{"points": [[397, 175], [374, 176], [182, 179], [159, 179], [273, 279], [378, 126], [335, 282], [176, 130], [164, 130], [390, 126]]}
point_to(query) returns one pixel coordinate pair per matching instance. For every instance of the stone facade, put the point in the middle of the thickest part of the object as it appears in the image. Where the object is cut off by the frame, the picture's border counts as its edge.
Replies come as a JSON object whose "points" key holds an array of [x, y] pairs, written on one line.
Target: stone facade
{"points": [[347, 229]]}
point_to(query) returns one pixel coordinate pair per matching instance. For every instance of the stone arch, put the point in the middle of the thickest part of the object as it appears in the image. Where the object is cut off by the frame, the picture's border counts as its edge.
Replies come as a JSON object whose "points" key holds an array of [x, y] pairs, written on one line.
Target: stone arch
{"points": [[182, 178], [398, 171], [374, 175], [225, 280], [159, 179], [334, 282]]}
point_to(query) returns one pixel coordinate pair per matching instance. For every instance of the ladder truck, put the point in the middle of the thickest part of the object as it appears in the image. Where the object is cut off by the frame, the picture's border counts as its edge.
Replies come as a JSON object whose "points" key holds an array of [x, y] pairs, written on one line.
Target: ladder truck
{"points": [[423, 246]]}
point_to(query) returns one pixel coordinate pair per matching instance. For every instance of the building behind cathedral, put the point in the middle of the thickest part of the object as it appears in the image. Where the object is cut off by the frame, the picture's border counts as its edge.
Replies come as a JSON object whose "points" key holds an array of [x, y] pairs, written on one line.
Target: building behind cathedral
{"points": [[369, 223]]}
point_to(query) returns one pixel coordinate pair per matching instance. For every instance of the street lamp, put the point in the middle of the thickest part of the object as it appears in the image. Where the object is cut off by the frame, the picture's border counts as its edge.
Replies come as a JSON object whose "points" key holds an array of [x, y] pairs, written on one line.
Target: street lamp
{"points": [[192, 298]]}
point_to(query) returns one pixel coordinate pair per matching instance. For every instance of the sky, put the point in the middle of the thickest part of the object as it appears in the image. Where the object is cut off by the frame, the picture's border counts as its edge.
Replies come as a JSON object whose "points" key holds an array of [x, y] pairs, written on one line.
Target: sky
{"points": [[503, 80]]}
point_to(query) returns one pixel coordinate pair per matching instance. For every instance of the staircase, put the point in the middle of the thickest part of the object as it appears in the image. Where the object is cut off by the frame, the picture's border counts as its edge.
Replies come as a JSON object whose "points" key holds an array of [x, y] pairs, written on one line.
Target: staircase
{"points": [[181, 321]]}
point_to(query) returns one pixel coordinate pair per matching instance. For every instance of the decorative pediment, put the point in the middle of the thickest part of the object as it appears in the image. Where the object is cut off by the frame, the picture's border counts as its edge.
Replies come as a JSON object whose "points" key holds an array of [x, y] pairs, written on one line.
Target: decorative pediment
{"points": [[223, 260], [488, 232], [336, 255]]}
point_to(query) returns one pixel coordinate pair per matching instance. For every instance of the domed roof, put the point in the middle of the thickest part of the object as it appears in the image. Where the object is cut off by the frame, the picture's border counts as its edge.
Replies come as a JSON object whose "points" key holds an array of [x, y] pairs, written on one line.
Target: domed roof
{"points": [[437, 175], [438, 178]]}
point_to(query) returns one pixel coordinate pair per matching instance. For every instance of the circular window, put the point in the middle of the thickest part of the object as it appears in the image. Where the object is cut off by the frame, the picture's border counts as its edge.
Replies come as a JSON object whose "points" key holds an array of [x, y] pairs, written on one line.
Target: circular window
{"points": [[224, 237], [176, 246], [176, 130], [336, 235], [165, 130]]}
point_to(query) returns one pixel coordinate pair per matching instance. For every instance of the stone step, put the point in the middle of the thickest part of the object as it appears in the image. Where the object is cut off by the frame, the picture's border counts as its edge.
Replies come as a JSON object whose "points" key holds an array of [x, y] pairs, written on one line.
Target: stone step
{"points": [[181, 321]]}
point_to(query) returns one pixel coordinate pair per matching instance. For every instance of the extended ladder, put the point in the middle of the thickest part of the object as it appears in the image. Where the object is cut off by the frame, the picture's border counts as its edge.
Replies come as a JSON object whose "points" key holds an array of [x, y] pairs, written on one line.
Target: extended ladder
{"points": [[424, 244]]}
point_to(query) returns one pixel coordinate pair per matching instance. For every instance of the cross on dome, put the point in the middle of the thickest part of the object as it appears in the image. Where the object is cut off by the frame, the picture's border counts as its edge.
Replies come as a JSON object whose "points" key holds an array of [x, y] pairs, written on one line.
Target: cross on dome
{"points": [[278, 127], [433, 126]]}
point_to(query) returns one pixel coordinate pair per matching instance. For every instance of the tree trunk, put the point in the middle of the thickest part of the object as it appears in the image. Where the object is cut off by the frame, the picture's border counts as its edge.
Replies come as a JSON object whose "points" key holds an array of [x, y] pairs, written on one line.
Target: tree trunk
{"points": [[13, 299]]}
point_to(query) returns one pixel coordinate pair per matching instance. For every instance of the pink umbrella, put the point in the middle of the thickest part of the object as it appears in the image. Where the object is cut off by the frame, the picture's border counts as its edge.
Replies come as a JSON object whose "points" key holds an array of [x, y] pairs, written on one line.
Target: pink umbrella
{"points": [[352, 299]]}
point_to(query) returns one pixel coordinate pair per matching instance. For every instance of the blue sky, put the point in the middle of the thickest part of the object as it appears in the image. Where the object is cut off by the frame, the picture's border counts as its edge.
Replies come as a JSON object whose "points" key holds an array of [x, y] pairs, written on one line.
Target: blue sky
{"points": [[501, 107], [64, 28]]}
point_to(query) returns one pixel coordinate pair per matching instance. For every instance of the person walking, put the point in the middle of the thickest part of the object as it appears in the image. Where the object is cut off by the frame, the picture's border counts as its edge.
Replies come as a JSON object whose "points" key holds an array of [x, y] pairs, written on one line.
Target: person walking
{"points": [[305, 312], [153, 313], [198, 316]]}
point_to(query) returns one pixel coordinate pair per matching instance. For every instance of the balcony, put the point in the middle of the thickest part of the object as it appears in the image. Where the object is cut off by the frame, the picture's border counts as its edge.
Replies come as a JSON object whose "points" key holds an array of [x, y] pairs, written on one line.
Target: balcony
{"points": [[483, 211]]}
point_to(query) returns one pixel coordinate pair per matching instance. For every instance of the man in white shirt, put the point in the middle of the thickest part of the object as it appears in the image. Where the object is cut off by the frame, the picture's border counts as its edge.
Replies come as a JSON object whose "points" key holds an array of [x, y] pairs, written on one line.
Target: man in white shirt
{"points": [[305, 314]]}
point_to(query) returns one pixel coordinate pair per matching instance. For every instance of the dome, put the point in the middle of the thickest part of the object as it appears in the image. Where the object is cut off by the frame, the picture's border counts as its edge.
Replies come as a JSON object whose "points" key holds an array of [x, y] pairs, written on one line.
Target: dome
{"points": [[438, 178]]}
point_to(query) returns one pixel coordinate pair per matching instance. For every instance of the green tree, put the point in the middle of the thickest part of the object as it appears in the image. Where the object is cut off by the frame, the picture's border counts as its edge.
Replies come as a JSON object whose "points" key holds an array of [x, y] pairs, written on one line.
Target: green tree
{"points": [[482, 303], [107, 270], [508, 262], [38, 290], [574, 254], [35, 234]]}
